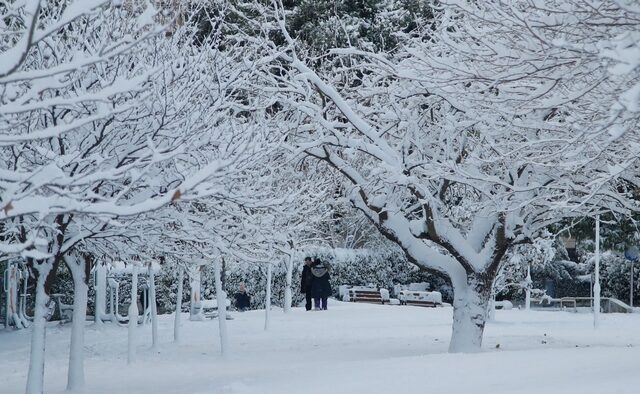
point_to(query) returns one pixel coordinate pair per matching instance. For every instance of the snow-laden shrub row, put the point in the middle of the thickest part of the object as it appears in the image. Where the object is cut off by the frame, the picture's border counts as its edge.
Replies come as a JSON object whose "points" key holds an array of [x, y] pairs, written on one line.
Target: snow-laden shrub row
{"points": [[615, 275], [562, 277], [356, 267], [363, 267]]}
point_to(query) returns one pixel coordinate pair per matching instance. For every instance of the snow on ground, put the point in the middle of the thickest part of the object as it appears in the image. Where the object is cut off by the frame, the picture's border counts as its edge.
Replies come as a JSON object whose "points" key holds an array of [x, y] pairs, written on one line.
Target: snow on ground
{"points": [[351, 348]]}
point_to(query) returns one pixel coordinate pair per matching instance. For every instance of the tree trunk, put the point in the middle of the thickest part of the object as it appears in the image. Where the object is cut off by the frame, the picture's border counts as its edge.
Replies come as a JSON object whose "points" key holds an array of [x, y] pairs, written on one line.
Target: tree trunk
{"points": [[267, 301], [12, 298], [527, 291], [221, 299], [22, 310], [471, 299], [223, 274], [52, 275], [133, 316], [75, 377], [492, 307], [195, 312], [176, 323], [35, 378], [101, 292], [154, 308], [288, 297], [596, 279]]}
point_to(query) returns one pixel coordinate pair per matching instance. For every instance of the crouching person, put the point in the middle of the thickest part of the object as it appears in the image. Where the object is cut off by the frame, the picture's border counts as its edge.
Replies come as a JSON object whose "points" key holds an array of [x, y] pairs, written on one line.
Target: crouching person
{"points": [[243, 299]]}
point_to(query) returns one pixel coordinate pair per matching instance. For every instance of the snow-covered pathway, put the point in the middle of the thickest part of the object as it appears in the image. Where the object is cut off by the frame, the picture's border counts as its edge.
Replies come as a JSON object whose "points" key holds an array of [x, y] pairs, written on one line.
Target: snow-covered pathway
{"points": [[348, 349]]}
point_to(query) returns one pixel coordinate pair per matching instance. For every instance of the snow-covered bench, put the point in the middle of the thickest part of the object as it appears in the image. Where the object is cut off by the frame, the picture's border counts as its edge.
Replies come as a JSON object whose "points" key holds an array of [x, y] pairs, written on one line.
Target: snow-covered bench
{"points": [[368, 293], [213, 304], [420, 298], [506, 305], [372, 296], [420, 286], [209, 308]]}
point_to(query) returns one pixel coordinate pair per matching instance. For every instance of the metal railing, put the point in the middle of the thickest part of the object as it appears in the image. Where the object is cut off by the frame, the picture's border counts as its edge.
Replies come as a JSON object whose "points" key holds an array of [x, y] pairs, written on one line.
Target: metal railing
{"points": [[607, 304]]}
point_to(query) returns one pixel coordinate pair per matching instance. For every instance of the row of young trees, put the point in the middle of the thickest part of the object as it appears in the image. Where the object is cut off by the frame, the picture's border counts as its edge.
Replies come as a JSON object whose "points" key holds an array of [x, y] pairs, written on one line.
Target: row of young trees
{"points": [[125, 135]]}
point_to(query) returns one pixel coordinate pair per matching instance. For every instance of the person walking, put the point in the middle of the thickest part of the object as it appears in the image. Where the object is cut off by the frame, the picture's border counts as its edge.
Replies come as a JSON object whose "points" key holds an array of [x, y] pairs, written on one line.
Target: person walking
{"points": [[320, 286], [305, 283]]}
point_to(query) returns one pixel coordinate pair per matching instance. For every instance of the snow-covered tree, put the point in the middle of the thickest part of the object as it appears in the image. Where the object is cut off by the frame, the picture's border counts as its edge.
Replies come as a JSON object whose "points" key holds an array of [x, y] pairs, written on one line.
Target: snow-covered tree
{"points": [[470, 140]]}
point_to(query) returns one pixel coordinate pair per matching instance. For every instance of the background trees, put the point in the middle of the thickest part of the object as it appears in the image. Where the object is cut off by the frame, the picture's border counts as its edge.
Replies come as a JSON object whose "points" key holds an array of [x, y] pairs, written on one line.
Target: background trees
{"points": [[364, 24]]}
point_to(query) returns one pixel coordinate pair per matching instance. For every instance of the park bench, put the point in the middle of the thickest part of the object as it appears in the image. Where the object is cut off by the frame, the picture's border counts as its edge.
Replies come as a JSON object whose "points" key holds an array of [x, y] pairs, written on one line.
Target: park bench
{"points": [[421, 286], [420, 298], [366, 295], [209, 308], [369, 293], [504, 304]]}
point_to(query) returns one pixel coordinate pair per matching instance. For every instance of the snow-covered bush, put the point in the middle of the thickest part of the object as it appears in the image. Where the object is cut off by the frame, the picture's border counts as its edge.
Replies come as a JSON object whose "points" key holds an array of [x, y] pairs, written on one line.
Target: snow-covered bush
{"points": [[354, 267], [615, 274]]}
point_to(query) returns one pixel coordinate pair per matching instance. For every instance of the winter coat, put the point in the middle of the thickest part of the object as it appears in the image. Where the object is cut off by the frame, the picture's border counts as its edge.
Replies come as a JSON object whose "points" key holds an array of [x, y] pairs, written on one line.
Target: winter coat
{"points": [[307, 278], [320, 286], [243, 300]]}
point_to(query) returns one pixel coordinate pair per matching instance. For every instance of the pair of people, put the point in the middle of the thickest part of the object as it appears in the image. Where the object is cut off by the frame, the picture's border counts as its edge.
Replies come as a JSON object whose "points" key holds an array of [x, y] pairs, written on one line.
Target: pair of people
{"points": [[315, 283]]}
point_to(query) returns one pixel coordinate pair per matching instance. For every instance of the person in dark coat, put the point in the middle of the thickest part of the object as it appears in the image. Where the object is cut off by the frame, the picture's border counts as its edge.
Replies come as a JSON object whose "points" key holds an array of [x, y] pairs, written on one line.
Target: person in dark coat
{"points": [[243, 299], [305, 283], [320, 286]]}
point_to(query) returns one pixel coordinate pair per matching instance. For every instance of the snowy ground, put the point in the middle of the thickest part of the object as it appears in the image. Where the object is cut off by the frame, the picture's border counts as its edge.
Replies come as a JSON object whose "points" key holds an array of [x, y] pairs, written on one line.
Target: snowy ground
{"points": [[352, 348]]}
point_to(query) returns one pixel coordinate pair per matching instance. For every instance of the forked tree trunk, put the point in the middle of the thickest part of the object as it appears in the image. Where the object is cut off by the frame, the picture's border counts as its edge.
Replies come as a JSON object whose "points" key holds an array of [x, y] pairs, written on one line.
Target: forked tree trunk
{"points": [[471, 299], [35, 377], [75, 376]]}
